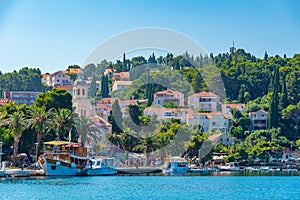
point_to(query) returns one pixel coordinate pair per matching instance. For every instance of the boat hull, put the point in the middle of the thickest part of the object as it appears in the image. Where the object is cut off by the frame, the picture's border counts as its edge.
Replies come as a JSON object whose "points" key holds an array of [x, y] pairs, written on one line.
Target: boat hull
{"points": [[101, 172], [58, 168]]}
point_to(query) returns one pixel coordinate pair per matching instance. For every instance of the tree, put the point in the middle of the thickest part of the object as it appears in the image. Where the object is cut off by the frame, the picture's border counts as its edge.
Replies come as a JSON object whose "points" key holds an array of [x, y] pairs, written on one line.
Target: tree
{"points": [[61, 123], [273, 112], [16, 123], [291, 115], [147, 145], [38, 119], [93, 88], [104, 86], [87, 131], [115, 117], [56, 99]]}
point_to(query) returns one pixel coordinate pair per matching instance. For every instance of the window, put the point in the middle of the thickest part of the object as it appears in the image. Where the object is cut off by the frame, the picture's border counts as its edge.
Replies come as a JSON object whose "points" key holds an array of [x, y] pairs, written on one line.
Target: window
{"points": [[78, 91], [159, 102], [83, 92], [213, 123]]}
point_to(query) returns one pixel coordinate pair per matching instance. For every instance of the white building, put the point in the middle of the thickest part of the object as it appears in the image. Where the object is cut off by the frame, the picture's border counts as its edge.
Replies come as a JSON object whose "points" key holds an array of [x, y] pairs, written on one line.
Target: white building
{"points": [[164, 97], [117, 85], [59, 78], [210, 122], [205, 101], [168, 113], [259, 120], [227, 107]]}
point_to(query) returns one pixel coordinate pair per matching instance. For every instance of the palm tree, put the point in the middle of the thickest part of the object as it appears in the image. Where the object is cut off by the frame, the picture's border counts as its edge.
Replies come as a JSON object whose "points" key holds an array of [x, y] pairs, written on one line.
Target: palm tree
{"points": [[87, 131], [147, 145], [62, 122], [38, 119], [16, 123], [128, 140]]}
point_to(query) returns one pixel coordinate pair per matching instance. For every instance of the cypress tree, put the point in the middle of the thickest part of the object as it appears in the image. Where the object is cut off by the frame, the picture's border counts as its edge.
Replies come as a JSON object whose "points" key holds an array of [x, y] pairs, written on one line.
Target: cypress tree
{"points": [[104, 86], [273, 112], [115, 117]]}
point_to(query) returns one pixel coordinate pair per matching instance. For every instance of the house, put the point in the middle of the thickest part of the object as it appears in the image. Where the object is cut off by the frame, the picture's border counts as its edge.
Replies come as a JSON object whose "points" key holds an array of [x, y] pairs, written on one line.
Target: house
{"points": [[109, 72], [98, 83], [3, 102], [46, 79], [210, 122], [259, 120], [204, 101], [122, 76], [73, 70], [168, 113], [59, 78], [221, 138], [164, 97], [117, 85], [227, 107], [21, 97]]}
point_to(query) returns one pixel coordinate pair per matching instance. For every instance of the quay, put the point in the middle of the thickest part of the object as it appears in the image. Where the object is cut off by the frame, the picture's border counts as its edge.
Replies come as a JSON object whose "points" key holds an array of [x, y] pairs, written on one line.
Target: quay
{"points": [[6, 172], [139, 170]]}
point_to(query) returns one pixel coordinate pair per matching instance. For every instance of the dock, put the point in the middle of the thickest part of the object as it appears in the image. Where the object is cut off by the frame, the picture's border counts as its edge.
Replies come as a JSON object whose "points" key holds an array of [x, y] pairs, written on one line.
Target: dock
{"points": [[18, 172], [139, 170]]}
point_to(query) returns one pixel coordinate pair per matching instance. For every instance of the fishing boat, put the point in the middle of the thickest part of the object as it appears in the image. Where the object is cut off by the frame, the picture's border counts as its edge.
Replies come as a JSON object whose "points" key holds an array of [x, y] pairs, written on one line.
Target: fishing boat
{"points": [[230, 167], [175, 165], [63, 158], [100, 166]]}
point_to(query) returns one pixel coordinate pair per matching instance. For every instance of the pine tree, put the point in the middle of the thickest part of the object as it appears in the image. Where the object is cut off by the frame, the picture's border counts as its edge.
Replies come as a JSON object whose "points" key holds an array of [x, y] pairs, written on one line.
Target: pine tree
{"points": [[273, 112]]}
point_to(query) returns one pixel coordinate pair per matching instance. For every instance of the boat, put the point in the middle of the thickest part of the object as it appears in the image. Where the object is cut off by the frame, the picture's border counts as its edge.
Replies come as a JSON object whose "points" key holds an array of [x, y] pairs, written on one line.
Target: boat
{"points": [[175, 165], [99, 166], [204, 170], [63, 158], [230, 167]]}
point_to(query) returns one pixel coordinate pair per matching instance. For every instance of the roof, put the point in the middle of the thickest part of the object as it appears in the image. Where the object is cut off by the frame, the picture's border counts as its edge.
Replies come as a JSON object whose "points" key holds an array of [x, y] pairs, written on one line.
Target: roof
{"points": [[259, 111], [234, 105], [209, 115], [109, 70], [122, 74], [162, 110], [106, 101], [168, 92], [74, 70], [204, 94], [123, 82], [4, 101], [57, 143], [214, 136], [45, 75], [65, 87]]}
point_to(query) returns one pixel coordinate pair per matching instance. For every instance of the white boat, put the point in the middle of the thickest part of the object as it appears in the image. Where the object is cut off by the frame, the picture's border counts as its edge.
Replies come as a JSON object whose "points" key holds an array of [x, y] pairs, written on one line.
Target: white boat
{"points": [[204, 170], [175, 165], [230, 167], [101, 166], [63, 158]]}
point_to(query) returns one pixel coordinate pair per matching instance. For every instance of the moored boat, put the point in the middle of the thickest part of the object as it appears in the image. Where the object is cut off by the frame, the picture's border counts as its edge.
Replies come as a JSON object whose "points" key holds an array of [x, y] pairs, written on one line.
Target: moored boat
{"points": [[63, 158], [101, 166], [230, 167], [175, 165]]}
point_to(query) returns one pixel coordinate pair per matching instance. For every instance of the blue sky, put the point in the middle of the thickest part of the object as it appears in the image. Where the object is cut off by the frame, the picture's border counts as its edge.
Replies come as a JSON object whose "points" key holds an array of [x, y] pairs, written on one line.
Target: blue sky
{"points": [[52, 34]]}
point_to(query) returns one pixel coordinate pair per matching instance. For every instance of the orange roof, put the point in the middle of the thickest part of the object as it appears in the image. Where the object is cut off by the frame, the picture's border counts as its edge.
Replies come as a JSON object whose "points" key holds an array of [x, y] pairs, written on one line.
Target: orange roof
{"points": [[109, 70], [204, 94], [74, 70], [45, 75], [122, 74], [234, 105], [4, 101], [106, 101], [214, 137], [65, 87]]}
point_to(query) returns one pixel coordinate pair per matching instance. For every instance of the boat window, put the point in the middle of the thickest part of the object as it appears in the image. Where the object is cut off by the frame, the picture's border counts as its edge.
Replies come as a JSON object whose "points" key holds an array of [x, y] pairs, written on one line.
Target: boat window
{"points": [[98, 163]]}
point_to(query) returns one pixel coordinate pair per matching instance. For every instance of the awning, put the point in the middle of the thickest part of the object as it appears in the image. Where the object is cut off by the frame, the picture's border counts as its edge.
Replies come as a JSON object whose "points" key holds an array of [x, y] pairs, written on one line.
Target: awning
{"points": [[57, 143]]}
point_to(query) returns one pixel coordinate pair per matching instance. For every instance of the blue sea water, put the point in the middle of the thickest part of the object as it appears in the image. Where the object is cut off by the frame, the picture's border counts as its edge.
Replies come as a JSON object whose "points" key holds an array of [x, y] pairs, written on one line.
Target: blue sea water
{"points": [[152, 187]]}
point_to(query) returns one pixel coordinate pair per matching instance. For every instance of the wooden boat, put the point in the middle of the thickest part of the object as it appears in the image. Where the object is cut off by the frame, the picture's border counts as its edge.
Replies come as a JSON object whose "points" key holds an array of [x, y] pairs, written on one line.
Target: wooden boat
{"points": [[63, 158]]}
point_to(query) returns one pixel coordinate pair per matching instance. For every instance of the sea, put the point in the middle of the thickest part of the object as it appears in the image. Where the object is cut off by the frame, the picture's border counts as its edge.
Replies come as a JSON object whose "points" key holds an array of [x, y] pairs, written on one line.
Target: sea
{"points": [[218, 186]]}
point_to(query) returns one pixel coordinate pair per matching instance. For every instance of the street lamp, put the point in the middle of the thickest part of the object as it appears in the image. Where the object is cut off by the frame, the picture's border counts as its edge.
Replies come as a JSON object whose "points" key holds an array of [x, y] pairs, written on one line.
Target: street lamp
{"points": [[36, 151]]}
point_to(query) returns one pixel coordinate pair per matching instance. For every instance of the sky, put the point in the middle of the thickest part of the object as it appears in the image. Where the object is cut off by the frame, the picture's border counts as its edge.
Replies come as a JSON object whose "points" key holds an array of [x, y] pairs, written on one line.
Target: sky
{"points": [[53, 34]]}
